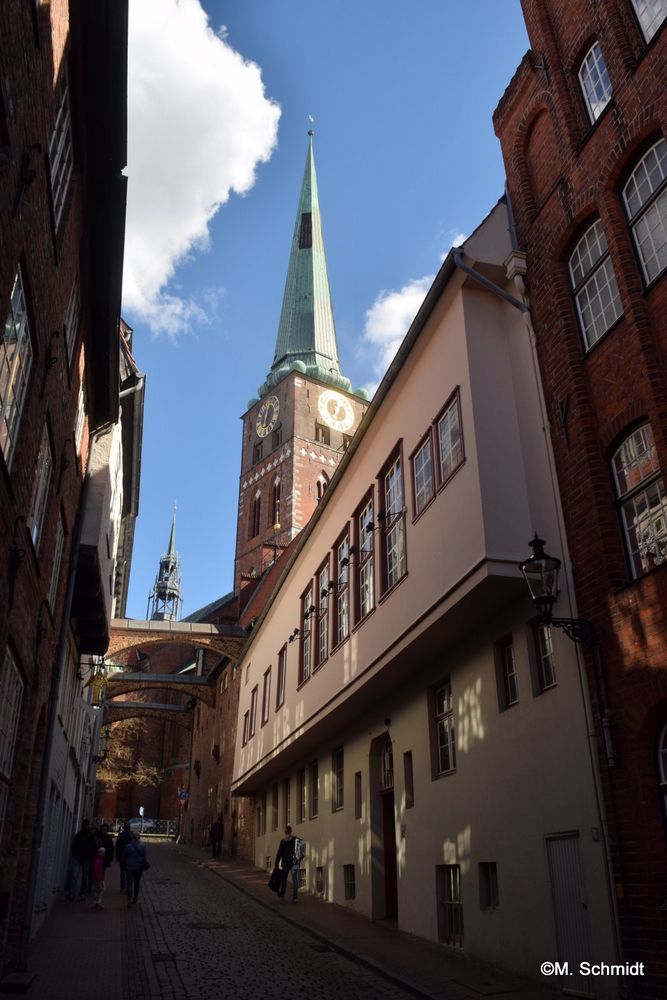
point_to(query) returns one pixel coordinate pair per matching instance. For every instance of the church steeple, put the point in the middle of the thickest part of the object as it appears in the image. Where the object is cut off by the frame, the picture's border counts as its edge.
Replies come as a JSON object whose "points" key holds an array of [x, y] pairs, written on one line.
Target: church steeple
{"points": [[164, 601], [306, 339]]}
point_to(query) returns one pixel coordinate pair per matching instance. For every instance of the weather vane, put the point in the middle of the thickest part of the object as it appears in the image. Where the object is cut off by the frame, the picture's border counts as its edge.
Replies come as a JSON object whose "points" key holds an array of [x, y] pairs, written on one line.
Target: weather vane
{"points": [[312, 122]]}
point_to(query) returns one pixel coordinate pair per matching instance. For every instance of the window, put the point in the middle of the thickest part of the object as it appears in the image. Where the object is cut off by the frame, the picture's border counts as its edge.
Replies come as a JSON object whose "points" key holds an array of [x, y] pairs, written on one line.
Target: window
{"points": [[594, 285], [450, 905], [276, 438], [301, 796], [255, 515], [40, 489], [450, 439], [322, 484], [651, 14], [510, 687], [422, 474], [640, 492], [60, 152], [408, 780], [55, 567], [72, 319], [257, 453], [365, 547], [337, 779], [349, 882], [546, 660], [595, 82], [445, 734], [305, 648], [287, 812], [246, 727], [488, 886], [393, 522], [342, 591], [253, 712], [11, 699], [15, 365], [314, 789], [266, 696], [282, 670], [322, 614], [662, 767], [357, 795], [322, 434], [645, 197], [275, 506], [274, 808], [387, 760], [80, 415]]}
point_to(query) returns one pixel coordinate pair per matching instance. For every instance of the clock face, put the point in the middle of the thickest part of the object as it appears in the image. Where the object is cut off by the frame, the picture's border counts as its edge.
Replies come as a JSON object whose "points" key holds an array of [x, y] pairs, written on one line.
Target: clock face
{"points": [[267, 416], [336, 411]]}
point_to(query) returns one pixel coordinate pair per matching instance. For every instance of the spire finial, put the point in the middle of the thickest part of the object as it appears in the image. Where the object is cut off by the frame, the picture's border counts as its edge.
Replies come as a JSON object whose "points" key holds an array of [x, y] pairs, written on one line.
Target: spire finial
{"points": [[311, 131]]}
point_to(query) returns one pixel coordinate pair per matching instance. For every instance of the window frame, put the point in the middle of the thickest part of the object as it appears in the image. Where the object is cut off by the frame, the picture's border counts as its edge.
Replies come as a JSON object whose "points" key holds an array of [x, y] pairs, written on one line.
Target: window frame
{"points": [[254, 696], [657, 197], [445, 718], [255, 519], [41, 487], [281, 681], [72, 318], [426, 441], [275, 504], [443, 477], [338, 779], [542, 656], [266, 697], [15, 369], [246, 727], [589, 278], [322, 637], [647, 33], [314, 785], [632, 493], [392, 523], [341, 591], [306, 634], [591, 64], [367, 562], [61, 151]]}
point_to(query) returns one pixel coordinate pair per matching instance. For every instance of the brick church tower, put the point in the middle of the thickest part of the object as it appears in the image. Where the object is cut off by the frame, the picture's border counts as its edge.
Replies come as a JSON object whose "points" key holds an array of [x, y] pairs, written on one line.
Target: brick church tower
{"points": [[295, 434], [583, 129]]}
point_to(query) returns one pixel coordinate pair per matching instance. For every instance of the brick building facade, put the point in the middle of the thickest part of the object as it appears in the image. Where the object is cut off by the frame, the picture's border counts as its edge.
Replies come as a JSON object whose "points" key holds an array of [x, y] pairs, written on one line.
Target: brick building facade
{"points": [[62, 214], [582, 127]]}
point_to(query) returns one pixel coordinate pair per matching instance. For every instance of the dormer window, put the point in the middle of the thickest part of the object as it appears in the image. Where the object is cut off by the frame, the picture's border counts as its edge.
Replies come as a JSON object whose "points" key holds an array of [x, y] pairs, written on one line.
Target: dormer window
{"points": [[595, 82]]}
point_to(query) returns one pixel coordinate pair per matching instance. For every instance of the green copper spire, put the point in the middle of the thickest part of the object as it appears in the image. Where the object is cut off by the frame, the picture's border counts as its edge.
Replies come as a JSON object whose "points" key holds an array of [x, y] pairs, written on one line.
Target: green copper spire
{"points": [[171, 551], [306, 339]]}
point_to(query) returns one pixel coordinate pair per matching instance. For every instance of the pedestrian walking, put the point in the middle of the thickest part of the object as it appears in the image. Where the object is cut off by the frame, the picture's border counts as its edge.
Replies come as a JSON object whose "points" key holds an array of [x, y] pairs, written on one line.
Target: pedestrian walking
{"points": [[122, 840], [135, 863], [81, 856], [216, 837], [97, 878], [287, 859], [106, 841]]}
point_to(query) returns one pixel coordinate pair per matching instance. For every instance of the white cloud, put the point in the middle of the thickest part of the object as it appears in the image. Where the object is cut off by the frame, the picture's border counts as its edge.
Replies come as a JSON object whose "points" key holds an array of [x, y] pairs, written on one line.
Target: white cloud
{"points": [[199, 123], [387, 322]]}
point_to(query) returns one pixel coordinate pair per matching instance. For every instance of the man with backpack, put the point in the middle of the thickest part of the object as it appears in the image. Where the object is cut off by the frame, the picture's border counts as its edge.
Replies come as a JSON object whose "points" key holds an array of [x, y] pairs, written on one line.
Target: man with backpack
{"points": [[291, 851]]}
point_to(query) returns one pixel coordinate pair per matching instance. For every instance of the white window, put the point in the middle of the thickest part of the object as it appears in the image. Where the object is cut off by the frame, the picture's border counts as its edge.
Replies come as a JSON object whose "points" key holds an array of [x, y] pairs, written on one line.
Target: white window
{"points": [[72, 318], [342, 593], [394, 524], [640, 491], [15, 365], [266, 696], [651, 14], [450, 440], [645, 196], [55, 568], [80, 415], [546, 660], [11, 699], [60, 151], [40, 489], [307, 611], [365, 530], [595, 82], [323, 614], [510, 684], [594, 285], [444, 729], [422, 468]]}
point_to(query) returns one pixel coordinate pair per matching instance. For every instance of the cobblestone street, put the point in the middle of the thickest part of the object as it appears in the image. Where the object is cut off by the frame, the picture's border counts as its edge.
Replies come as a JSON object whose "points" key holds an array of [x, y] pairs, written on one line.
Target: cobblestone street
{"points": [[212, 930]]}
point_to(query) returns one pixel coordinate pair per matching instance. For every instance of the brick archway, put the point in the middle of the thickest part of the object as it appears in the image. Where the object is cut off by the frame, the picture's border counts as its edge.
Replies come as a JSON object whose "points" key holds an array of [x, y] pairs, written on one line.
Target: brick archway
{"points": [[127, 633]]}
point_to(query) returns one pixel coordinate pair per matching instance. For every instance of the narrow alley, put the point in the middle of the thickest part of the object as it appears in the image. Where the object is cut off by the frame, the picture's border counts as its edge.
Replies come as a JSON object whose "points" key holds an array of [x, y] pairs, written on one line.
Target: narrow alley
{"points": [[207, 929]]}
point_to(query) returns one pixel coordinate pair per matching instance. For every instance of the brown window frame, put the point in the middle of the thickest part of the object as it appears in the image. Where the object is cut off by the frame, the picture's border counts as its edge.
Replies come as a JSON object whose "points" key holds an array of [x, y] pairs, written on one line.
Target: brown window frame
{"points": [[306, 634], [387, 524], [442, 479], [281, 679], [345, 589], [359, 563], [322, 615], [426, 439], [266, 697]]}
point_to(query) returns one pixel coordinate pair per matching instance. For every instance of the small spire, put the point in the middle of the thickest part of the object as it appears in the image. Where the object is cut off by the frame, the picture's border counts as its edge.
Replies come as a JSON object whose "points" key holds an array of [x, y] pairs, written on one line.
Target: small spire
{"points": [[172, 537]]}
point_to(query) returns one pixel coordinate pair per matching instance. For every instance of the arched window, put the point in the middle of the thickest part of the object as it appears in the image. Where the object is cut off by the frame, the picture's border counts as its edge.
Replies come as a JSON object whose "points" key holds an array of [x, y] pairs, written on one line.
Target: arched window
{"points": [[595, 82], [322, 483], [255, 515], [651, 14], [662, 767], [594, 285], [645, 197], [275, 505], [640, 493]]}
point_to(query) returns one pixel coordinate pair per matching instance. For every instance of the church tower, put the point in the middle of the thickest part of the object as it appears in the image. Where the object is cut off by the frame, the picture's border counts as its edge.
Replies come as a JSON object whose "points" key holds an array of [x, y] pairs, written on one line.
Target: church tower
{"points": [[165, 600], [296, 433]]}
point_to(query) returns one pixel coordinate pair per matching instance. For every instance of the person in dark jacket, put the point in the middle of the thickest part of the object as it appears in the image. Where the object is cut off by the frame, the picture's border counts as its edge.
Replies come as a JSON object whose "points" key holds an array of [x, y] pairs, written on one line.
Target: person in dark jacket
{"points": [[287, 862], [216, 837], [134, 861], [106, 841], [83, 851], [122, 840]]}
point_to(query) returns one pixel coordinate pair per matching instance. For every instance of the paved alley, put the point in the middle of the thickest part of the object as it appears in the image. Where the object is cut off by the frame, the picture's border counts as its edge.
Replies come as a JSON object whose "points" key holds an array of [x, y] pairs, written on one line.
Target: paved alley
{"points": [[213, 930]]}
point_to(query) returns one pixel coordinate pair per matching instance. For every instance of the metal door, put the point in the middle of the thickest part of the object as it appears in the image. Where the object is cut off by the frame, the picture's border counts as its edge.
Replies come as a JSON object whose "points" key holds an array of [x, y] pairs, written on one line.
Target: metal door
{"points": [[568, 891]]}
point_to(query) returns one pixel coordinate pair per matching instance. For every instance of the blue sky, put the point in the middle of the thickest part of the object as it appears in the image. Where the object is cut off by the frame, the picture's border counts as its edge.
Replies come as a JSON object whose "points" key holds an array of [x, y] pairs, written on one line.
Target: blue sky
{"points": [[402, 96]]}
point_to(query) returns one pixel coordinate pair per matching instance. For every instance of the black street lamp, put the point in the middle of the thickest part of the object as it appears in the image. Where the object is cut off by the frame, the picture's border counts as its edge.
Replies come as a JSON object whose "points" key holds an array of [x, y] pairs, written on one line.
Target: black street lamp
{"points": [[541, 574]]}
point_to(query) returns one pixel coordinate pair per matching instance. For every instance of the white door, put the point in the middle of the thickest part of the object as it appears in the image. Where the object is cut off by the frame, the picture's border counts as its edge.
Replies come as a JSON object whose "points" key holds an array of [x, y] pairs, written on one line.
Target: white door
{"points": [[573, 938]]}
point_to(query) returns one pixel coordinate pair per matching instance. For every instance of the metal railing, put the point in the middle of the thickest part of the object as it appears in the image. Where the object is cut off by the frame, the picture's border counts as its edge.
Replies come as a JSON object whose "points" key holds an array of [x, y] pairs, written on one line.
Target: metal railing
{"points": [[146, 826]]}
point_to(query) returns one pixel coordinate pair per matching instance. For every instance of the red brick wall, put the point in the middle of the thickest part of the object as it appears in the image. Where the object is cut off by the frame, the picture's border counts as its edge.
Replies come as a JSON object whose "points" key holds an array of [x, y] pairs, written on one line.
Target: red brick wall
{"points": [[620, 382]]}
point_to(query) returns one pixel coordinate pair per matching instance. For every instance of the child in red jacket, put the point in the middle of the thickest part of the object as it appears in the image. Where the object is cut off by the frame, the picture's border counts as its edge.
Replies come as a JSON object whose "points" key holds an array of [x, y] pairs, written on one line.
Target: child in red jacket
{"points": [[97, 878]]}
